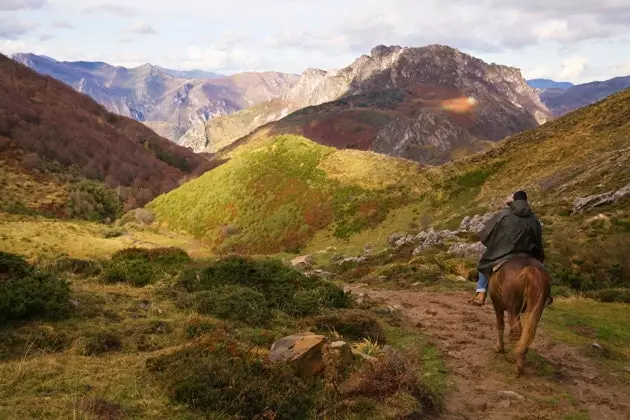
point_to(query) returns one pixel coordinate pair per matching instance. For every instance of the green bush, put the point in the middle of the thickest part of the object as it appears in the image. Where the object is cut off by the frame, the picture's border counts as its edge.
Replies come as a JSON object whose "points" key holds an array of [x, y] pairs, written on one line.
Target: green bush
{"points": [[611, 295], [92, 201], [233, 302], [283, 287], [27, 292], [221, 376], [138, 273], [76, 266], [140, 266], [101, 342], [353, 325]]}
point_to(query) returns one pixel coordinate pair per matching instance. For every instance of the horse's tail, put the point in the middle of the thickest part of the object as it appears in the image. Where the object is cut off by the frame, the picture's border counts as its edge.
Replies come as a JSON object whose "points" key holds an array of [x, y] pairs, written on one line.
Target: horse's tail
{"points": [[535, 294]]}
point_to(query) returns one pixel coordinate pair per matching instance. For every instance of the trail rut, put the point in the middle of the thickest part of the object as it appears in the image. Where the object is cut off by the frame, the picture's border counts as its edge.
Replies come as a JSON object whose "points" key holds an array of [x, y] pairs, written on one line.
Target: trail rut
{"points": [[559, 382]]}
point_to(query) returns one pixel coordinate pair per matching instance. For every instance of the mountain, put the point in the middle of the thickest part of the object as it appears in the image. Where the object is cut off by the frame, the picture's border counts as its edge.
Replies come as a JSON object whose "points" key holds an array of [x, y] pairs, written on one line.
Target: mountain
{"points": [[287, 192], [391, 101], [54, 129], [548, 84], [176, 104], [561, 101]]}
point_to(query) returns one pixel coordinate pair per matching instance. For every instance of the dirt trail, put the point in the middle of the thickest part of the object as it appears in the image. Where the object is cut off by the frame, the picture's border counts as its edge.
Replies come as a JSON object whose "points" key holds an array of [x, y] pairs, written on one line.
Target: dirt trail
{"points": [[557, 384]]}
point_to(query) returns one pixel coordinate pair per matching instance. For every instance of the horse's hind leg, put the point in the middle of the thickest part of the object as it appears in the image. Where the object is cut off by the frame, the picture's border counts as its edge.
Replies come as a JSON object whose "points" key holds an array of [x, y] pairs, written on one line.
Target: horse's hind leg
{"points": [[516, 330], [498, 310]]}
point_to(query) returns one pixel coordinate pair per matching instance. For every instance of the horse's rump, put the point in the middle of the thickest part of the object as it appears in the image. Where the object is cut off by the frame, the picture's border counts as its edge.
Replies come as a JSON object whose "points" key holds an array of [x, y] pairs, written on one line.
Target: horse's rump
{"points": [[522, 284]]}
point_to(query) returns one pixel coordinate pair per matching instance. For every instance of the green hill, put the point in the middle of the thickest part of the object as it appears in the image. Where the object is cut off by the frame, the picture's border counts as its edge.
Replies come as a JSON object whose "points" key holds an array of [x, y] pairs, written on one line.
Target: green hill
{"points": [[286, 193]]}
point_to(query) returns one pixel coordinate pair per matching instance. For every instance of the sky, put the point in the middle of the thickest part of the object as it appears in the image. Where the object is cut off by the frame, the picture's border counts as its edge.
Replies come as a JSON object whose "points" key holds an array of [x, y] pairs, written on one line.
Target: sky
{"points": [[565, 40]]}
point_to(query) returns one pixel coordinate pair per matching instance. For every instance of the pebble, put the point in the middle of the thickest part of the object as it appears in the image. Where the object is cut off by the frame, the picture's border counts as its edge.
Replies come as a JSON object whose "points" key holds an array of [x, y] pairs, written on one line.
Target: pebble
{"points": [[511, 394]]}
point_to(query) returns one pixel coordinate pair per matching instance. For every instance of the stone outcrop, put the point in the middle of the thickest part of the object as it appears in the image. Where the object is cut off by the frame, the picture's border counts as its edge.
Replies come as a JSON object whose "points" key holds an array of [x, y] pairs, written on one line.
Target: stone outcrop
{"points": [[586, 203], [475, 223], [462, 250]]}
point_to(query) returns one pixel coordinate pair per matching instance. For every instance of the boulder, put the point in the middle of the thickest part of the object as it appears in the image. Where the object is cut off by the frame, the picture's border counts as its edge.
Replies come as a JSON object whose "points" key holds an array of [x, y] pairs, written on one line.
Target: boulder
{"points": [[432, 238], [344, 353], [305, 262], [582, 204], [476, 223], [304, 351], [473, 251], [352, 260]]}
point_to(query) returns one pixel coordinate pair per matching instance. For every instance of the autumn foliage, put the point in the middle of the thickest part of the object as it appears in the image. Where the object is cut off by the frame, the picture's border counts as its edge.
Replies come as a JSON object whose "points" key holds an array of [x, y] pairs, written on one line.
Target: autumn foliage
{"points": [[50, 120]]}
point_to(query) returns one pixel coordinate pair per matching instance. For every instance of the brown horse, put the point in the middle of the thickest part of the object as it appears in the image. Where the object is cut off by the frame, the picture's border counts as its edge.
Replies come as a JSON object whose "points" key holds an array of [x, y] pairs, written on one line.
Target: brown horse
{"points": [[520, 285]]}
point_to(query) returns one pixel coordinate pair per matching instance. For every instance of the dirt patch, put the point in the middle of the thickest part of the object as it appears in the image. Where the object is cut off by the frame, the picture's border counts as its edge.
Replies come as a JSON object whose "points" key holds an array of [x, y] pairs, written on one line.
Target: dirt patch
{"points": [[559, 381]]}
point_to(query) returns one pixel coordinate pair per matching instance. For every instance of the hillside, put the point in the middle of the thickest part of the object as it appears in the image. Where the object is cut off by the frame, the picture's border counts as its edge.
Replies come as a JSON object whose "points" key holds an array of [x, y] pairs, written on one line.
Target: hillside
{"points": [[283, 193], [54, 130], [390, 92], [561, 101], [176, 104]]}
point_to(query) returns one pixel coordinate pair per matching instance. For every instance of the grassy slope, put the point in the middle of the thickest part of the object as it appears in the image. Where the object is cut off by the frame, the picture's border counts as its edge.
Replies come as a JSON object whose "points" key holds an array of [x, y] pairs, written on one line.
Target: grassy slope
{"points": [[580, 154]]}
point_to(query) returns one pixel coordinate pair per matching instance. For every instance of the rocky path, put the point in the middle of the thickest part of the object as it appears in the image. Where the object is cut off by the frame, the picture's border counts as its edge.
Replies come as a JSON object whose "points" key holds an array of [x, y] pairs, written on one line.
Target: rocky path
{"points": [[559, 383]]}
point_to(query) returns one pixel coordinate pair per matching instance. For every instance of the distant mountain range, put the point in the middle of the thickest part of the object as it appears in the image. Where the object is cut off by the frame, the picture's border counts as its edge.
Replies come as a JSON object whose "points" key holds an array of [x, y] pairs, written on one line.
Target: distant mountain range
{"points": [[548, 84], [391, 102], [176, 104], [561, 101]]}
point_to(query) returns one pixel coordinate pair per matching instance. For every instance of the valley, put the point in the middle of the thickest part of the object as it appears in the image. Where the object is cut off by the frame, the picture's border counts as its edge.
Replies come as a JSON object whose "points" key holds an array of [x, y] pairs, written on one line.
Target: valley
{"points": [[314, 259]]}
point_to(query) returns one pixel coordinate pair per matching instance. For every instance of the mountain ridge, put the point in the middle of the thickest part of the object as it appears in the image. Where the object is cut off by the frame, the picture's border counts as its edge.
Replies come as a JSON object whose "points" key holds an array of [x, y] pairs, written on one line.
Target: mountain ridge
{"points": [[173, 106], [387, 102]]}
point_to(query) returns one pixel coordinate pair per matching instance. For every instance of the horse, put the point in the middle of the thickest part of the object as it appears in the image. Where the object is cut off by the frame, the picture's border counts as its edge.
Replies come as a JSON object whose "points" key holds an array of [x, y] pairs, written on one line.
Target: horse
{"points": [[520, 285]]}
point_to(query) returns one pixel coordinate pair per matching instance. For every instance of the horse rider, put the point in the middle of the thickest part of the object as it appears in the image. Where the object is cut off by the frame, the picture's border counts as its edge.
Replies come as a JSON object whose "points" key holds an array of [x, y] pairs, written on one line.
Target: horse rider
{"points": [[515, 231]]}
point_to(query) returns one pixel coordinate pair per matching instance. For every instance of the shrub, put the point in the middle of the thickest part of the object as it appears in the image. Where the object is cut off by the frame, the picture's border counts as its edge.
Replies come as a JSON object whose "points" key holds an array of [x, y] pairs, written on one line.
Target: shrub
{"points": [[389, 376], [136, 272], [26, 292], [610, 295], [92, 201], [352, 324], [283, 287], [222, 376], [140, 266], [233, 302], [67, 264], [113, 233], [99, 343]]}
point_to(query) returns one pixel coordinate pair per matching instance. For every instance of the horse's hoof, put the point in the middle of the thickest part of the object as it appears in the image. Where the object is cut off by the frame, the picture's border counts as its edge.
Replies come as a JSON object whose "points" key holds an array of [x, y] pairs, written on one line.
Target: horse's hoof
{"points": [[500, 350]]}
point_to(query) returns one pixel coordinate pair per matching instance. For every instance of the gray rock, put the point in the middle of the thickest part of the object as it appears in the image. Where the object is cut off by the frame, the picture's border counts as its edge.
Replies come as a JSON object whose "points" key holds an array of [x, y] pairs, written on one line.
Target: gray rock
{"points": [[511, 394], [428, 239], [461, 250], [304, 262], [586, 203], [352, 260], [476, 223]]}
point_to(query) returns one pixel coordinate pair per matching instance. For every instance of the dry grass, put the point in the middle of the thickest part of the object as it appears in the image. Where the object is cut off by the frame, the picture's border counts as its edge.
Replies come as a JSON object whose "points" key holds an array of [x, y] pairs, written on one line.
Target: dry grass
{"points": [[41, 238]]}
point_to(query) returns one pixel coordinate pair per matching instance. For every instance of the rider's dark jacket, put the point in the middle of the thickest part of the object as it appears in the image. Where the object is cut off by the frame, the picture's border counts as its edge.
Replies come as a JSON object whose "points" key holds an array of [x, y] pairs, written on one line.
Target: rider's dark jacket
{"points": [[515, 230]]}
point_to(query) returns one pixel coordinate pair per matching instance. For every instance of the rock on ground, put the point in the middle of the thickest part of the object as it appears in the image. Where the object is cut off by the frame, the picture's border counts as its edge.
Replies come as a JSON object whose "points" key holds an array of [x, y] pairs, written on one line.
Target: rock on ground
{"points": [[582, 204], [462, 250], [303, 350]]}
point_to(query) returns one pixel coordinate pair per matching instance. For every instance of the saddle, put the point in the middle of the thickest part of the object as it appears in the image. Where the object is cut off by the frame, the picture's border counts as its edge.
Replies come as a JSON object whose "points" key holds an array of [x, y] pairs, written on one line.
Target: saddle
{"points": [[500, 264]]}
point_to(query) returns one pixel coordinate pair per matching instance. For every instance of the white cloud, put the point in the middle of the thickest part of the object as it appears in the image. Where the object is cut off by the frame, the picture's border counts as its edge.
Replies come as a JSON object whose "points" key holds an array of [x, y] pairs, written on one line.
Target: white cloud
{"points": [[113, 8], [140, 28], [61, 25], [11, 29], [572, 68], [10, 47], [537, 73], [46, 37], [218, 58], [622, 69], [10, 5]]}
